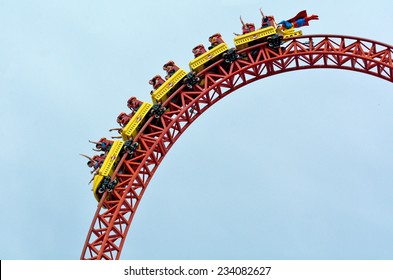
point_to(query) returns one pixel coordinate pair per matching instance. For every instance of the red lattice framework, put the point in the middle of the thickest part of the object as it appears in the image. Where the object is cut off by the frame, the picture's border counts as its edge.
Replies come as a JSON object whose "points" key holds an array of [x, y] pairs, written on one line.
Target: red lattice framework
{"points": [[109, 228]]}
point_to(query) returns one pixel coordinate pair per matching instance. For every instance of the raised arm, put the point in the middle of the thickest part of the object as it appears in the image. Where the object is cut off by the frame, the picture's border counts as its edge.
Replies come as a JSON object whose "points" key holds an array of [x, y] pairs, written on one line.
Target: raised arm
{"points": [[89, 158], [241, 20], [260, 9]]}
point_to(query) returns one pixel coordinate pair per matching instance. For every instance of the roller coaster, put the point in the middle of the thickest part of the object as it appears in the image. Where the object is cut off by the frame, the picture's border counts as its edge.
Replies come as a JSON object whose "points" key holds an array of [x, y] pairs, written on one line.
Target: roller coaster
{"points": [[125, 166]]}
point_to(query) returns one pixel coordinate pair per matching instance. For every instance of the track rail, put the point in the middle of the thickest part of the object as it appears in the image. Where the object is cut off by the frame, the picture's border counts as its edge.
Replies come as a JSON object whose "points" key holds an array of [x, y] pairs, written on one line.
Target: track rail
{"points": [[109, 227]]}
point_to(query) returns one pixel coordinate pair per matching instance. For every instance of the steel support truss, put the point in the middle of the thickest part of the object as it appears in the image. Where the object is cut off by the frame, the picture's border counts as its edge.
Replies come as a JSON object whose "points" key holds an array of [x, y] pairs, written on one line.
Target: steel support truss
{"points": [[110, 225]]}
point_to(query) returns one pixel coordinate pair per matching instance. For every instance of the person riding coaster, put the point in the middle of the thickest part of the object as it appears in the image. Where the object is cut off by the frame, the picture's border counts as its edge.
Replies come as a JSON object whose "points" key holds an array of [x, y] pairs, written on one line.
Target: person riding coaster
{"points": [[133, 103], [267, 20], [215, 40], [170, 68], [156, 82], [103, 145], [123, 119], [95, 162], [198, 50], [246, 27]]}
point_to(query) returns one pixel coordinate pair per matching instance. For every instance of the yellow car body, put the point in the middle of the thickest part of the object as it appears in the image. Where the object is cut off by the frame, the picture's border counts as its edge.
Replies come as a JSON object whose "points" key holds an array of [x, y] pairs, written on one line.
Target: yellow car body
{"points": [[291, 32], [166, 89], [198, 63], [245, 40], [108, 166], [133, 126]]}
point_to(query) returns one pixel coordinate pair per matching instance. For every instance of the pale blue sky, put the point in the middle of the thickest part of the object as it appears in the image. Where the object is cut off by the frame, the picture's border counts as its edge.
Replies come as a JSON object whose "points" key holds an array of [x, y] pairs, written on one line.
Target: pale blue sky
{"points": [[296, 166]]}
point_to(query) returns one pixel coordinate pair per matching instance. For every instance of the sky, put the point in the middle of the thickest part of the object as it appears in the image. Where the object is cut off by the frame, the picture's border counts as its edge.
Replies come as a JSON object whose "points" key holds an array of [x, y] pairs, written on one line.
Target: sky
{"points": [[296, 166]]}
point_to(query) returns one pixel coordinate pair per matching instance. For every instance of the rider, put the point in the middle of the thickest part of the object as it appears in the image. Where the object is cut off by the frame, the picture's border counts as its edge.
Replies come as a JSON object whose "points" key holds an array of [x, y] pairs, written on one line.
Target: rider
{"points": [[133, 103], [198, 50], [268, 20], [170, 67], [123, 119], [215, 40], [103, 145], [156, 82], [246, 27], [94, 162]]}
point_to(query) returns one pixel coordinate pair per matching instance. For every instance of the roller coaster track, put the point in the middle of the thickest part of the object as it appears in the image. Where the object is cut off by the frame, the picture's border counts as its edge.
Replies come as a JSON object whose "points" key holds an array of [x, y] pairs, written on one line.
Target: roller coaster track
{"points": [[111, 223]]}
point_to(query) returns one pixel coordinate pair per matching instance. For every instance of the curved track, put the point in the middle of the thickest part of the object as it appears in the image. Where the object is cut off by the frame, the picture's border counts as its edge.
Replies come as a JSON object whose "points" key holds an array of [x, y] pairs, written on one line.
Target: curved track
{"points": [[109, 227]]}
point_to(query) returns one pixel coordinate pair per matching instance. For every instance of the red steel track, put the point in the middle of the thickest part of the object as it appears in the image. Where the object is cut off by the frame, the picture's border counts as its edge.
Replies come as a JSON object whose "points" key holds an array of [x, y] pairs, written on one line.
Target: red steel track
{"points": [[109, 228]]}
